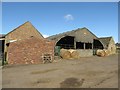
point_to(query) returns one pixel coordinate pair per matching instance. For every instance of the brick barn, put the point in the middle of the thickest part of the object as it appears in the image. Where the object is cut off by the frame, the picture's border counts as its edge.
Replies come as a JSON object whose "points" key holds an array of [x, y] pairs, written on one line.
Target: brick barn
{"points": [[30, 51], [25, 45]]}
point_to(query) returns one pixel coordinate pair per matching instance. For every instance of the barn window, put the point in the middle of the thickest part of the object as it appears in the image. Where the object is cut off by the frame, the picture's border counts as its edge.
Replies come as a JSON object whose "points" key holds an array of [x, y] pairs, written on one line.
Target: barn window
{"points": [[79, 45], [66, 42], [88, 45]]}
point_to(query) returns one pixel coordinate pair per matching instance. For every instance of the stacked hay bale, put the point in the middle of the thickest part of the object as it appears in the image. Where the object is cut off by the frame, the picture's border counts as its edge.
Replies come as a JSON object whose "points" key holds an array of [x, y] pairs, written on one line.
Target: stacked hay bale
{"points": [[100, 53], [65, 54], [69, 54], [75, 54], [71, 50], [107, 52], [103, 52]]}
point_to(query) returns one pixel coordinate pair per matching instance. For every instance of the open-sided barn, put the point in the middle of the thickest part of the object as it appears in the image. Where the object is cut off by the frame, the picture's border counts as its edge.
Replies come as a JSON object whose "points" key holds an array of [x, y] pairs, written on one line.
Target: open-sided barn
{"points": [[84, 41]]}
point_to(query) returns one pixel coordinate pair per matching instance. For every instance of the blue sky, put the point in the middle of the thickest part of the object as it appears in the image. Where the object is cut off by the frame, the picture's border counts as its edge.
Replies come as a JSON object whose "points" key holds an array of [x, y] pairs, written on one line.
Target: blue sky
{"points": [[51, 18]]}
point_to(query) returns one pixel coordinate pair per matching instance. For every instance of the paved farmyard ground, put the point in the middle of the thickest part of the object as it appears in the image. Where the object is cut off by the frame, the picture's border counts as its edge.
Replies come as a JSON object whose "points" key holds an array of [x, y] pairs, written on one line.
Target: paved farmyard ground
{"points": [[96, 72]]}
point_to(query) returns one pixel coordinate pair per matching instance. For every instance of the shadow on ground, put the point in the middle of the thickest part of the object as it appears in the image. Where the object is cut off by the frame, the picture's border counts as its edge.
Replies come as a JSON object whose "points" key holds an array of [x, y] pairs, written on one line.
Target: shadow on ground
{"points": [[71, 83]]}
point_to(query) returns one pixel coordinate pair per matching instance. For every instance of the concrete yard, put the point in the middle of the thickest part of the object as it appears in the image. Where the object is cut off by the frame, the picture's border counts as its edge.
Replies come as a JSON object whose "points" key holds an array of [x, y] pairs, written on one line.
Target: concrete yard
{"points": [[96, 72]]}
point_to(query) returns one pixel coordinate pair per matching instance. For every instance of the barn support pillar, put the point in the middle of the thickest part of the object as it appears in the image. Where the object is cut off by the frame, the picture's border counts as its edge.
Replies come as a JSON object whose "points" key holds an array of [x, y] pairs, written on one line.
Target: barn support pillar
{"points": [[84, 45], [74, 44], [92, 45]]}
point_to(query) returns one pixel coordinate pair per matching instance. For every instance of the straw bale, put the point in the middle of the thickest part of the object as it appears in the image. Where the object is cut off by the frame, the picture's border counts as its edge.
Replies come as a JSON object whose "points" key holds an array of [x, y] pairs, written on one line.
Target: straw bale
{"points": [[101, 53], [75, 55], [107, 52], [71, 50], [65, 54]]}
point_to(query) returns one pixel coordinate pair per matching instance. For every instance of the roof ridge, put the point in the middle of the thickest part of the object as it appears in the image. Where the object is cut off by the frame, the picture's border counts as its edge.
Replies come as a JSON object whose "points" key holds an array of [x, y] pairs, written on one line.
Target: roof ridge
{"points": [[105, 37]]}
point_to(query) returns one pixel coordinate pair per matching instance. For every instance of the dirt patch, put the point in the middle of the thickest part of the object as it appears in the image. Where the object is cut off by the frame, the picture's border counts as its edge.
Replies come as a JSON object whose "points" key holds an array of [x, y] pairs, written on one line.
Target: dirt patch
{"points": [[71, 83], [98, 72]]}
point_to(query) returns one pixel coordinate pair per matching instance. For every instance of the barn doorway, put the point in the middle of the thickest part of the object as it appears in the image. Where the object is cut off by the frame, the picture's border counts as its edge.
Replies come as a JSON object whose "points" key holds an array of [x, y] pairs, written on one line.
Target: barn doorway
{"points": [[2, 46], [97, 45], [66, 42], [2, 41]]}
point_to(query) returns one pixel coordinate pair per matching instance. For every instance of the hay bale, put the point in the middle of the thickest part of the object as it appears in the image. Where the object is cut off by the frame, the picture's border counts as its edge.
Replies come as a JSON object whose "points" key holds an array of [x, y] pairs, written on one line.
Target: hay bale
{"points": [[71, 50], [97, 52], [100, 53], [107, 52], [65, 54], [62, 51], [75, 54]]}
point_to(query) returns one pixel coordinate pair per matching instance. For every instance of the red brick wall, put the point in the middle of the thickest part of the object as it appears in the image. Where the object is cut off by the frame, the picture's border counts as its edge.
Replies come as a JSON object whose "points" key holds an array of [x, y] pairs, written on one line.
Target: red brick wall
{"points": [[29, 51]]}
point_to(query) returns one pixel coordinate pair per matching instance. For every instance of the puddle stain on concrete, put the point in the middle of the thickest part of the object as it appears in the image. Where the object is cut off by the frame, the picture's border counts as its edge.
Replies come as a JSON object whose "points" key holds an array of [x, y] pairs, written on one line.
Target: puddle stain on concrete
{"points": [[72, 83]]}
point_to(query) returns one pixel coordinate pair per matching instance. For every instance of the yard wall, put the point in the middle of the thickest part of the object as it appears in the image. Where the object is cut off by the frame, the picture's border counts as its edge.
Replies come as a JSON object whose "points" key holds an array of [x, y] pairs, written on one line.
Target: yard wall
{"points": [[85, 52]]}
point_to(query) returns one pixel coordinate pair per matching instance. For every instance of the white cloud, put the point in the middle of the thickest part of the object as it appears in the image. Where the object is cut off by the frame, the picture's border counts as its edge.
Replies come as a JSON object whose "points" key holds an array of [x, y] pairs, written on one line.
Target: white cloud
{"points": [[69, 17], [45, 36]]}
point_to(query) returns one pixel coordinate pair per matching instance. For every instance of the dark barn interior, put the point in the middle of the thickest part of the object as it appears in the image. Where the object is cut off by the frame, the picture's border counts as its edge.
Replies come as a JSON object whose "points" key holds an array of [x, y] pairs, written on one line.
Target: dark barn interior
{"points": [[88, 45], [2, 45], [79, 45], [66, 42], [97, 44], [2, 50]]}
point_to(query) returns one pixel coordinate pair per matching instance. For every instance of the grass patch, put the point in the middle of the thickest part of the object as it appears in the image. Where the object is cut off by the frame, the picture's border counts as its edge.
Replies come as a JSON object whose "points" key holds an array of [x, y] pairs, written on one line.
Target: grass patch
{"points": [[45, 71]]}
